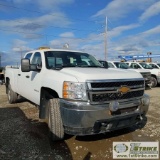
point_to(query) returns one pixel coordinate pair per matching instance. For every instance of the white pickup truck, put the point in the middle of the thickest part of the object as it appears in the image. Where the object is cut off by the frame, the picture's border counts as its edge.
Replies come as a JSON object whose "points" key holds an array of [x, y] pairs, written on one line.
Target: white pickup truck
{"points": [[155, 73], [75, 97], [121, 65]]}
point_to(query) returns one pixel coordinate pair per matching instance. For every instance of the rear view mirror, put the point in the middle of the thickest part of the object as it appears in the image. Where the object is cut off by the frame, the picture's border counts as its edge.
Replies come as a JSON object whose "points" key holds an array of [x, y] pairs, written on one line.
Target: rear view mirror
{"points": [[25, 65]]}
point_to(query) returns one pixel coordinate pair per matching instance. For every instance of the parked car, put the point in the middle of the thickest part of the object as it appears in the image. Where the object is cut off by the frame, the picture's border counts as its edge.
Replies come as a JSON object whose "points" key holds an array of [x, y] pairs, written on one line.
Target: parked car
{"points": [[121, 65], [154, 65], [155, 73]]}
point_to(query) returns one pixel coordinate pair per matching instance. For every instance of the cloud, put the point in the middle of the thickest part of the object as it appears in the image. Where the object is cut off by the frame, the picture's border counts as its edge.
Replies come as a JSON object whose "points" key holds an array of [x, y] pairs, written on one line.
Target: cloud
{"points": [[67, 34], [121, 8], [118, 30], [20, 46], [153, 10], [153, 31], [46, 5], [33, 26], [73, 43], [50, 4], [139, 43]]}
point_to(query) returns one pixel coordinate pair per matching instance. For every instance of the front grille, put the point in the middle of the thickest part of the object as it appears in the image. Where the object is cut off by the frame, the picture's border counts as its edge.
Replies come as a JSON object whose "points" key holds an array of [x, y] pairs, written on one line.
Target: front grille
{"points": [[105, 91], [116, 84], [115, 96]]}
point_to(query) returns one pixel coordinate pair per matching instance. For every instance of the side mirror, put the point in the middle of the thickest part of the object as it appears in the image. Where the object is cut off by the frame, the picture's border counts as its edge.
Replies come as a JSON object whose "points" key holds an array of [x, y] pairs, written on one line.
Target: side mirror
{"points": [[106, 64], [25, 65]]}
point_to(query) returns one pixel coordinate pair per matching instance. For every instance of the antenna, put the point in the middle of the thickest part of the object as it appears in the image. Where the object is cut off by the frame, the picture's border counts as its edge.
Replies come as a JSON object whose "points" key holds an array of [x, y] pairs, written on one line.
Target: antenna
{"points": [[105, 39]]}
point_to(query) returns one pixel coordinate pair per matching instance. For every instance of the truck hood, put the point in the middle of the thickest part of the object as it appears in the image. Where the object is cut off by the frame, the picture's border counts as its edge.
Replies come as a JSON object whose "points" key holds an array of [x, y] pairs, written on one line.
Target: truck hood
{"points": [[83, 74]]}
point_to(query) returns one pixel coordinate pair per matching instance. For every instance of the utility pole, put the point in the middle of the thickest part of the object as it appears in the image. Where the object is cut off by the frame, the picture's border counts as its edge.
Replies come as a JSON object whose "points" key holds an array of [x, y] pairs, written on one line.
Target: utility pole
{"points": [[105, 39], [0, 59]]}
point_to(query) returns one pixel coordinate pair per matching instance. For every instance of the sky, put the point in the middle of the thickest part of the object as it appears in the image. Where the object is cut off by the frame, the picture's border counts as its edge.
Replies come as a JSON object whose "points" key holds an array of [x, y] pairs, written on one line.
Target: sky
{"points": [[131, 27]]}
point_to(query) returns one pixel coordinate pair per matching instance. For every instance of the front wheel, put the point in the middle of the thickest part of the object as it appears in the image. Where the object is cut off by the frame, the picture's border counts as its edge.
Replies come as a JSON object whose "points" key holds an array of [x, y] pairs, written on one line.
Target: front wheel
{"points": [[153, 82], [12, 96], [54, 120]]}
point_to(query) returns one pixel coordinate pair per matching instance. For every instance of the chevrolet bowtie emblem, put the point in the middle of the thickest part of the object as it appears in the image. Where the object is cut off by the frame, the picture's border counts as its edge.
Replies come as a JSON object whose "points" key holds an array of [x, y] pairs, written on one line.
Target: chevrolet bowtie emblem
{"points": [[124, 89]]}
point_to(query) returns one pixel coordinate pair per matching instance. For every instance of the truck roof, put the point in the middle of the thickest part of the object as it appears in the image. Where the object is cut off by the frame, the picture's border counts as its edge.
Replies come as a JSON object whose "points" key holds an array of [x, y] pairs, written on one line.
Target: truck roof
{"points": [[53, 49]]}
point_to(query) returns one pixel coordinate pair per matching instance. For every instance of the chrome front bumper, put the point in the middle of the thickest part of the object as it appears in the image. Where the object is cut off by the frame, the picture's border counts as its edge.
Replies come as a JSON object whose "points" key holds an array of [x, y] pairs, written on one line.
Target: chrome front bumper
{"points": [[82, 118], [158, 79]]}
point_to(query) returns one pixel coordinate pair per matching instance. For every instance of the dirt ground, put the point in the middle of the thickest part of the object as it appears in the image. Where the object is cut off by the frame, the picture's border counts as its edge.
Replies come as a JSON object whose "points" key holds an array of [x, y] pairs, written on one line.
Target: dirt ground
{"points": [[23, 136]]}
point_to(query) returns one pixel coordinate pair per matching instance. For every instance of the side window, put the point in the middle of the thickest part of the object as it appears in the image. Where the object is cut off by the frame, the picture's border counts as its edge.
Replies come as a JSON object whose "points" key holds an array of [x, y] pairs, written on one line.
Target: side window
{"points": [[138, 67], [110, 65], [132, 65], [28, 56], [135, 66], [37, 59], [153, 65]]}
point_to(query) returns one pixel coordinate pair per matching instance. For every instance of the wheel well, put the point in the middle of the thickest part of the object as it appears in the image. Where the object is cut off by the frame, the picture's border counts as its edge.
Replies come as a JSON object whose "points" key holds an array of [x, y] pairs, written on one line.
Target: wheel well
{"points": [[152, 75], [49, 93]]}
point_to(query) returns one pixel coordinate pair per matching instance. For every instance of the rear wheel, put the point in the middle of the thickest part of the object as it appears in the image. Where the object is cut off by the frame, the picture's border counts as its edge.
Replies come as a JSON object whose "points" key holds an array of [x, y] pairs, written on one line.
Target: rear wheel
{"points": [[54, 120], [153, 82], [12, 96]]}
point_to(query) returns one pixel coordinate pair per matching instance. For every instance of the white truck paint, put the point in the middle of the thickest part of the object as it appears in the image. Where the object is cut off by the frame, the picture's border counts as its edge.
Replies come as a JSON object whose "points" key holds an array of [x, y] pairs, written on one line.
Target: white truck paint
{"points": [[75, 97], [121, 65], [155, 73], [154, 65]]}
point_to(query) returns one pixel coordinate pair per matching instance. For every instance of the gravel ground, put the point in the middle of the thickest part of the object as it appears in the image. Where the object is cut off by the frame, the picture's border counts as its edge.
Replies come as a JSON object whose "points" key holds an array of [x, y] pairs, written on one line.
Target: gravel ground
{"points": [[23, 136]]}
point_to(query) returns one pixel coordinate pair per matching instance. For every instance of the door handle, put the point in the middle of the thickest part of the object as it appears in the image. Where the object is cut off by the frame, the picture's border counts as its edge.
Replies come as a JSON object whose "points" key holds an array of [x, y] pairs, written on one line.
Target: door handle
{"points": [[19, 74], [27, 76]]}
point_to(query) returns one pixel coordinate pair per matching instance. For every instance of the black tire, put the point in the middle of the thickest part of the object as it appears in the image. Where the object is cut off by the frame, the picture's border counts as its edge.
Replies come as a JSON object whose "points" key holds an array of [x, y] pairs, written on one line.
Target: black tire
{"points": [[54, 120], [12, 96], [153, 82]]}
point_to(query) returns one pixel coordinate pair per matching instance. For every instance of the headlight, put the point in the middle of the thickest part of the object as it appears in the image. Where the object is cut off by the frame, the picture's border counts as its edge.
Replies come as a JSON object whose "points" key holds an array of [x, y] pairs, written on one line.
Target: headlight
{"points": [[74, 90]]}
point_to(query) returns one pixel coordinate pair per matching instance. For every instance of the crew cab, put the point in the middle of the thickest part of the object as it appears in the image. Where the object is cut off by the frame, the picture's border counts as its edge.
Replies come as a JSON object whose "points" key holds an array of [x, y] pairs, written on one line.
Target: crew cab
{"points": [[154, 65], [75, 97], [155, 73], [121, 65]]}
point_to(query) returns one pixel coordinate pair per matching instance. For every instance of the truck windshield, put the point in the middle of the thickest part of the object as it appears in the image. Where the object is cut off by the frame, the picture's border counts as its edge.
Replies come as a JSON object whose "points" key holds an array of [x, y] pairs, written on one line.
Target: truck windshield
{"points": [[121, 65], [146, 66], [158, 64], [61, 59]]}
